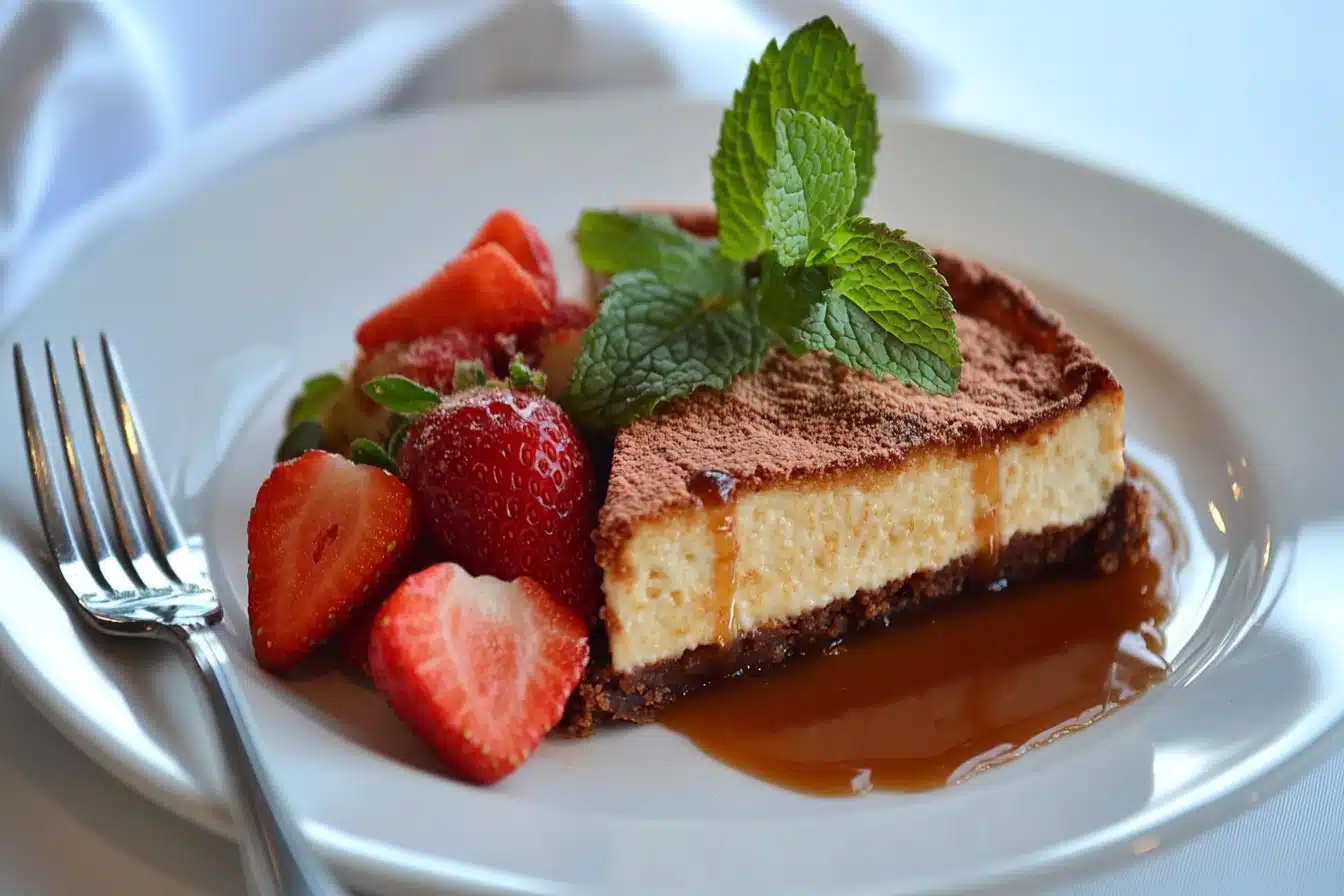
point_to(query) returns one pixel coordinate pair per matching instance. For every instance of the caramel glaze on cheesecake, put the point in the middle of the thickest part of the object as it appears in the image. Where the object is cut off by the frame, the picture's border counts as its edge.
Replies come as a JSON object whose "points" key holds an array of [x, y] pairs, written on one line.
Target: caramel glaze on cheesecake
{"points": [[809, 501]]}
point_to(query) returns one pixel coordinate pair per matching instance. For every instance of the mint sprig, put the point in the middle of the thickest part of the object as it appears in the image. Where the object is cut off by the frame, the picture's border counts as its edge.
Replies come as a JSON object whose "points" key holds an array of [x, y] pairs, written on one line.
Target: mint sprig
{"points": [[793, 262], [810, 187], [653, 341], [611, 242], [816, 71], [839, 327], [896, 282]]}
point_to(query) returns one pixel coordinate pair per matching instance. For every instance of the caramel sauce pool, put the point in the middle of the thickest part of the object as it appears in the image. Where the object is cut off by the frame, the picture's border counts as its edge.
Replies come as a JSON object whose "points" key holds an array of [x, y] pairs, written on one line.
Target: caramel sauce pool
{"points": [[934, 700]]}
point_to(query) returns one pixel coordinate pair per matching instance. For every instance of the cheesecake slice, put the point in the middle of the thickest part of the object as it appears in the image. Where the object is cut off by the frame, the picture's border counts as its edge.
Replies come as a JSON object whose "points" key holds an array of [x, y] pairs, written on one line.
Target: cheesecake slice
{"points": [[808, 501]]}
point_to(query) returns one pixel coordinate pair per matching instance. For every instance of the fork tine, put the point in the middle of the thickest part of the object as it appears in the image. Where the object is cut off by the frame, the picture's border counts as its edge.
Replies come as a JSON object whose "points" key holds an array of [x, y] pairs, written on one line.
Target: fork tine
{"points": [[50, 507], [153, 499], [108, 564], [143, 562]]}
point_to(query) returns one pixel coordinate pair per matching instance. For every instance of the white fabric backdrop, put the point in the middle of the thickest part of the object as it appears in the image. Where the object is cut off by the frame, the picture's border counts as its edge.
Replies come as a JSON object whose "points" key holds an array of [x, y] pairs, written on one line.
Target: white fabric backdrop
{"points": [[108, 106]]}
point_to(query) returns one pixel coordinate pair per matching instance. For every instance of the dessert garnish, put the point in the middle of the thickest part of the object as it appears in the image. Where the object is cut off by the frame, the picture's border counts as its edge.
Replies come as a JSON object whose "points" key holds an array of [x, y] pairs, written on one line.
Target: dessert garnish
{"points": [[326, 539], [478, 667], [795, 262]]}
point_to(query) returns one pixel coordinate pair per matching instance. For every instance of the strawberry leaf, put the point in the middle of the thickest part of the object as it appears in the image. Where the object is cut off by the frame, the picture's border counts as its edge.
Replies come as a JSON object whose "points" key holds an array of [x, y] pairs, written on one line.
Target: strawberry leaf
{"points": [[401, 394], [371, 454], [305, 436]]}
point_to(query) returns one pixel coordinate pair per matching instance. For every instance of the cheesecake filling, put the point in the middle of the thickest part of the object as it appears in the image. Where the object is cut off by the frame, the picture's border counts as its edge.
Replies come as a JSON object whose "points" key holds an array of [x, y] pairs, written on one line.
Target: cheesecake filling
{"points": [[706, 574]]}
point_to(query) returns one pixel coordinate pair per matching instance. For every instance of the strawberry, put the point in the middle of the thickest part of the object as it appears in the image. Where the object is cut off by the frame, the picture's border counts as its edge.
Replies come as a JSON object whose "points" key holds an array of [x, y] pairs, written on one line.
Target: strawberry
{"points": [[478, 667], [429, 360], [484, 290], [352, 642], [324, 540], [553, 348], [506, 488], [521, 240]]}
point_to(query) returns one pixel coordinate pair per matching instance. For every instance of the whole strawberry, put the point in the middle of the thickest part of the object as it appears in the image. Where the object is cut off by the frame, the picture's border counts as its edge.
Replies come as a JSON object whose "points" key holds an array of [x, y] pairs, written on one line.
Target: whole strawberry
{"points": [[506, 487]]}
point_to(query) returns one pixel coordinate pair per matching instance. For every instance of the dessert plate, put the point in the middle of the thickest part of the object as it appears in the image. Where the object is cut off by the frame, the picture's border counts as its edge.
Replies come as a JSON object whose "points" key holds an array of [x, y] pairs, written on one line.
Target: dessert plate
{"points": [[222, 303]]}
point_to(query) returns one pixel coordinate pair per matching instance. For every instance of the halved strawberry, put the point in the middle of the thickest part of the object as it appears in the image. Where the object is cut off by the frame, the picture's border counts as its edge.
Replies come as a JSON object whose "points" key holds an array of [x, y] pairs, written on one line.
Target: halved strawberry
{"points": [[324, 540], [484, 290], [521, 240], [478, 667]]}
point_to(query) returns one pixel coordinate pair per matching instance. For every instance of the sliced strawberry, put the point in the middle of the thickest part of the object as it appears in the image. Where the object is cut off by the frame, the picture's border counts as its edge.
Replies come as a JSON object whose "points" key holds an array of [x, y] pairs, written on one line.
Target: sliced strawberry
{"points": [[520, 239], [484, 290], [324, 540], [478, 667]]}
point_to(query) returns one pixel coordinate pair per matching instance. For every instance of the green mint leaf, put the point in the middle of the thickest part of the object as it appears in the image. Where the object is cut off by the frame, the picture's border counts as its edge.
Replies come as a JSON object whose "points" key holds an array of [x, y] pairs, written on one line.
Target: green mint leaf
{"points": [[896, 282], [468, 375], [612, 242], [523, 377], [787, 299], [653, 341], [816, 71], [801, 306], [809, 189], [371, 454], [304, 436], [401, 394], [313, 398]]}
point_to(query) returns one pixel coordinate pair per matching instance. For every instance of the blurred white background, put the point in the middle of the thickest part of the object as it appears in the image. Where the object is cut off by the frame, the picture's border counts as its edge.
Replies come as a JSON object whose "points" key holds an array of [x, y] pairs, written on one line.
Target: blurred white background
{"points": [[109, 107]]}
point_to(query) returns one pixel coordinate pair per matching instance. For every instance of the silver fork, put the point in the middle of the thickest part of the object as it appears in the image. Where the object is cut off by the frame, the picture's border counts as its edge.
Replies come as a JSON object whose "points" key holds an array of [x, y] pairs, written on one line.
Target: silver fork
{"points": [[159, 591]]}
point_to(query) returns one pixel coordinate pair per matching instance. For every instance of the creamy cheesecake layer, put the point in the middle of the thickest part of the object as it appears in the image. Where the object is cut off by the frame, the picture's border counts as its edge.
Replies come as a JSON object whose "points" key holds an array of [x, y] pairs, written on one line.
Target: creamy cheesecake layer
{"points": [[699, 575]]}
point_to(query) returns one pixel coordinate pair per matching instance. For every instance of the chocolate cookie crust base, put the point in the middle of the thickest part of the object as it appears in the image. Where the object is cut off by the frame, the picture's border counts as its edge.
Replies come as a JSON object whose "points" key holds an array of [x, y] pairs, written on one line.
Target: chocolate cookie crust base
{"points": [[1100, 545]]}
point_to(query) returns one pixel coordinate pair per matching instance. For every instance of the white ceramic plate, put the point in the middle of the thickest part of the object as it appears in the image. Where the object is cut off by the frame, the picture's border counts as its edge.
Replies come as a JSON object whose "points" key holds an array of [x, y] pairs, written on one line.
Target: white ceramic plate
{"points": [[1227, 347]]}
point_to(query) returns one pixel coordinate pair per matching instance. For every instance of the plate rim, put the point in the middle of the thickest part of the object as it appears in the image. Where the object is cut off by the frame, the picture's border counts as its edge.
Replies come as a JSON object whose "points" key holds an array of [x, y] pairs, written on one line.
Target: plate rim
{"points": [[359, 858]]}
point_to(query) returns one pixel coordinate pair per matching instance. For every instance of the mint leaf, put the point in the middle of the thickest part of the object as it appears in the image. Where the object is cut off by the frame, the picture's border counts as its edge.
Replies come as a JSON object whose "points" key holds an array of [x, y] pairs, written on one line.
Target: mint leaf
{"points": [[313, 398], [611, 242], [371, 454], [816, 71], [401, 394], [810, 187], [653, 341], [896, 281], [787, 299], [306, 435], [802, 306]]}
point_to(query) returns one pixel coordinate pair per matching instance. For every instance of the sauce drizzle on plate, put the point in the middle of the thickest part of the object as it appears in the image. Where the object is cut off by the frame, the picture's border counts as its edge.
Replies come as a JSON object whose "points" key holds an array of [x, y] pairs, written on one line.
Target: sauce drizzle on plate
{"points": [[934, 700]]}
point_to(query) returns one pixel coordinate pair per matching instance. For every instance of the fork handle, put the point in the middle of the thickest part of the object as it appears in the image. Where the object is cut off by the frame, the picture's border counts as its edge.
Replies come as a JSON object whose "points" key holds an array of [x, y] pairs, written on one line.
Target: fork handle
{"points": [[277, 859]]}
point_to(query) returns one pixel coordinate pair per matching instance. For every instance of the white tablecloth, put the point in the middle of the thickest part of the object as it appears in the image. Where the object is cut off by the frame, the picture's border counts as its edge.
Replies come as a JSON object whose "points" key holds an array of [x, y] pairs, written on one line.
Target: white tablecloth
{"points": [[108, 107]]}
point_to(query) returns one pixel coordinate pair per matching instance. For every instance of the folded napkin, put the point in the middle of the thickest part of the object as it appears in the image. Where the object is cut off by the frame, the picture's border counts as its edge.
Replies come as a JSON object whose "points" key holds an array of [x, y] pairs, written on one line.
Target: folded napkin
{"points": [[111, 107]]}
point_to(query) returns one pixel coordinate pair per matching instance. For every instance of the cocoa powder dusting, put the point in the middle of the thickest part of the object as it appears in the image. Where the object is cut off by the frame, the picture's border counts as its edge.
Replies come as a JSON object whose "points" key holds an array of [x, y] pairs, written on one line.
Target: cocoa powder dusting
{"points": [[812, 416]]}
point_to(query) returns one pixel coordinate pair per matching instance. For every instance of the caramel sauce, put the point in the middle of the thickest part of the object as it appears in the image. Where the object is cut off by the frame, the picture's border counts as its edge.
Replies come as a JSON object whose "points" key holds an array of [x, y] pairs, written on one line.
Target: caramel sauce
{"points": [[988, 496], [714, 490], [931, 702]]}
